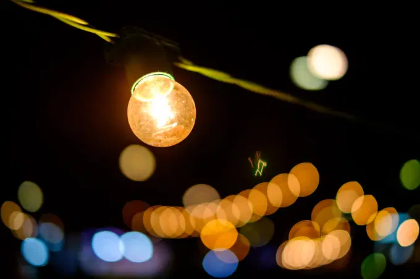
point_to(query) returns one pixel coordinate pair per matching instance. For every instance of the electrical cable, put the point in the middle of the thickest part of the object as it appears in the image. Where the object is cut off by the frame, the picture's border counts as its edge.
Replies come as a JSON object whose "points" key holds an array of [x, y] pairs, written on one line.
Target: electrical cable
{"points": [[68, 19]]}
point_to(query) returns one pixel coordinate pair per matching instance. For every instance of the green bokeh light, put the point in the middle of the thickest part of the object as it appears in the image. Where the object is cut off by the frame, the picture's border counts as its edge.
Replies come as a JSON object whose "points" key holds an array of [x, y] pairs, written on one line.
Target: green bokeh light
{"points": [[373, 266], [410, 174], [303, 78]]}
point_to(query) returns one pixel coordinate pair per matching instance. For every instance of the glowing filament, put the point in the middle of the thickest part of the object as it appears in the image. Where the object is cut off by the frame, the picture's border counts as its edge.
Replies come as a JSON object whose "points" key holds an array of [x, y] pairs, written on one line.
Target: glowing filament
{"points": [[161, 111], [261, 165]]}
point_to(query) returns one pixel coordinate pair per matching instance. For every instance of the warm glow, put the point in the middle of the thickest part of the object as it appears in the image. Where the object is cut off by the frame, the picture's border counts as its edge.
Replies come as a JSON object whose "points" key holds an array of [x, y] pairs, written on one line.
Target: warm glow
{"points": [[324, 211], [219, 234], [408, 232], [327, 62], [198, 194], [9, 211], [137, 162], [241, 247], [347, 194], [305, 228], [308, 177], [287, 185], [364, 210], [161, 112]]}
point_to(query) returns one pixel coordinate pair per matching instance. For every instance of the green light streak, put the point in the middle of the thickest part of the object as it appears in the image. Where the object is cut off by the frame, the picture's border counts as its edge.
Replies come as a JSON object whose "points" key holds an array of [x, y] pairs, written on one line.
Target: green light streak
{"points": [[260, 167], [150, 75]]}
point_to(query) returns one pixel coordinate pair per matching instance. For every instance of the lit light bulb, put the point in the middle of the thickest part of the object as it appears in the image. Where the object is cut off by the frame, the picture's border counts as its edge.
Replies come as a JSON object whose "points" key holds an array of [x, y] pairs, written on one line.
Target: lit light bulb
{"points": [[161, 112]]}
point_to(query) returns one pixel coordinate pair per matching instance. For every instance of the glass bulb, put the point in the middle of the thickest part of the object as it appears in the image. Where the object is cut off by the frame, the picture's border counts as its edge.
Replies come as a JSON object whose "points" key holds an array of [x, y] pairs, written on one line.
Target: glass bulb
{"points": [[161, 112]]}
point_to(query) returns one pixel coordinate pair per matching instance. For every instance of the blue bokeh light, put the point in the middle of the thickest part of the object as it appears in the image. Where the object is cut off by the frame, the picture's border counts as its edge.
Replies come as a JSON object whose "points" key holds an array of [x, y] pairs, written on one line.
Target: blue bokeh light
{"points": [[220, 263], [52, 235], [35, 251], [400, 255], [138, 247], [107, 246], [392, 238]]}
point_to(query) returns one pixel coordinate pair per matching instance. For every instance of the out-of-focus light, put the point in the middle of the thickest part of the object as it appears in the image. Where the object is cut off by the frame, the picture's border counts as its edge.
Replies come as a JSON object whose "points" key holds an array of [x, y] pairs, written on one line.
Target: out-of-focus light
{"points": [[302, 76], [161, 112], [30, 196], [241, 247], [259, 204], [408, 232], [288, 185], [219, 234], [198, 194], [324, 211], [385, 223], [414, 212], [9, 213], [93, 266], [336, 224], [373, 266], [305, 228], [245, 208], [307, 176], [259, 233], [52, 235], [364, 210], [28, 229], [137, 162], [130, 209], [400, 255], [298, 253], [107, 246], [410, 174], [397, 220], [348, 194], [220, 263], [327, 62], [138, 247], [35, 252]]}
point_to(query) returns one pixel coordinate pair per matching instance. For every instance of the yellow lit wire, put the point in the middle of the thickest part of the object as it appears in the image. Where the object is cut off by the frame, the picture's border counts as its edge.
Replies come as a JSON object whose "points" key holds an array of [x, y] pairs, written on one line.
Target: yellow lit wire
{"points": [[68, 19], [254, 87]]}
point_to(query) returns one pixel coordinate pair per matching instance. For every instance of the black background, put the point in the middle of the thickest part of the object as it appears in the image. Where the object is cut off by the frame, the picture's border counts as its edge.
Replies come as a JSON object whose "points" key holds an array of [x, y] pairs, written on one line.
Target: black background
{"points": [[66, 115]]}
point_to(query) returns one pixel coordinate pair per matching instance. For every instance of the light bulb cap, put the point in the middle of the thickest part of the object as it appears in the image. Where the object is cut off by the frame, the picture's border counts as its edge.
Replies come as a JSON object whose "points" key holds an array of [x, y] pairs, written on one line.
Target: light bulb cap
{"points": [[154, 74]]}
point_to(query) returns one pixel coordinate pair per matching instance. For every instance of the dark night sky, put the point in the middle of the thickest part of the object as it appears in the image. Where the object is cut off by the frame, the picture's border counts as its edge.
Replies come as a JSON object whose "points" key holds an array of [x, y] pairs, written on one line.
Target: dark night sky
{"points": [[66, 117]]}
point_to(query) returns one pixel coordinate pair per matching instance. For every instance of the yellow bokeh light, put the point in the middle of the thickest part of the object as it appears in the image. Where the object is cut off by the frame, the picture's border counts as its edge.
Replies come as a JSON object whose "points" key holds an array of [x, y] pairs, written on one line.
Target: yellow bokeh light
{"points": [[259, 204], [288, 185], [308, 177], [244, 206], [364, 210], [408, 232], [345, 241], [137, 162], [7, 210], [305, 228], [228, 210], [335, 224], [16, 220], [331, 247], [30, 196], [263, 188], [28, 229], [327, 62], [219, 234], [324, 211], [198, 194], [241, 247], [298, 253], [348, 194]]}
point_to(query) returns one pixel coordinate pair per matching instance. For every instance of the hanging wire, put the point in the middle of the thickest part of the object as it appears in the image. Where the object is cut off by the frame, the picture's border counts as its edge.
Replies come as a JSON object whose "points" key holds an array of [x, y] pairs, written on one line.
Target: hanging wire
{"points": [[256, 88], [68, 19]]}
